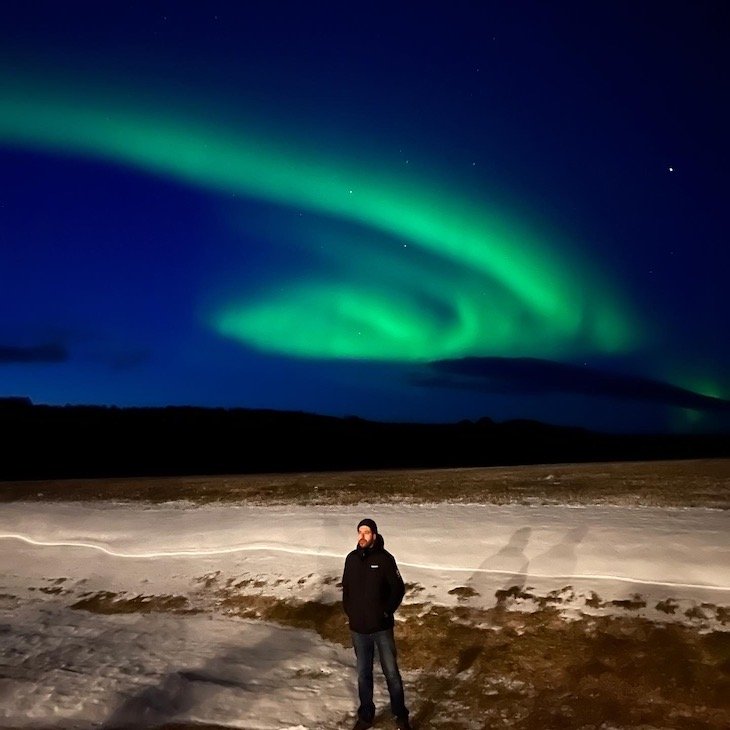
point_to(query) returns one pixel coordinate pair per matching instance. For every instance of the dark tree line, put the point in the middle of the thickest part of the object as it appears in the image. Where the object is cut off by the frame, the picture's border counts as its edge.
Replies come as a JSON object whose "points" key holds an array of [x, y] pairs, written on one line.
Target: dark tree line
{"points": [[43, 442]]}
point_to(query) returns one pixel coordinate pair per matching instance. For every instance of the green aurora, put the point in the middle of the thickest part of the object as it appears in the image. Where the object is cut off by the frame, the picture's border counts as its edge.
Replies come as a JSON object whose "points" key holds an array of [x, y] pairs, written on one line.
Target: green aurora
{"points": [[425, 274]]}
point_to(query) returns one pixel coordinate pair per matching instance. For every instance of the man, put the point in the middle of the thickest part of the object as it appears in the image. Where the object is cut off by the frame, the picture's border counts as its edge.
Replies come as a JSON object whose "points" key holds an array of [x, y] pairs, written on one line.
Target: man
{"points": [[372, 590]]}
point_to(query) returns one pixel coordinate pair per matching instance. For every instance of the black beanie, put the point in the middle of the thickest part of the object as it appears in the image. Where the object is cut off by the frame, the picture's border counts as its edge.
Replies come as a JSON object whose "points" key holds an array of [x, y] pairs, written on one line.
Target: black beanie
{"points": [[368, 523]]}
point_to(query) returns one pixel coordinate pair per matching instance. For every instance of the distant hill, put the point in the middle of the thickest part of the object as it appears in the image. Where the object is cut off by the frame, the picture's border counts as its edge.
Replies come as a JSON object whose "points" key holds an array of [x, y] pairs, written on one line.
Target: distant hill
{"points": [[43, 442]]}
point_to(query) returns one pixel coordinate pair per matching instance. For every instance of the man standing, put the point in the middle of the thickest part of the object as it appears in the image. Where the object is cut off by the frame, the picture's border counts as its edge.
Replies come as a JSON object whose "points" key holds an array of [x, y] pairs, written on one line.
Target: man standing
{"points": [[372, 590]]}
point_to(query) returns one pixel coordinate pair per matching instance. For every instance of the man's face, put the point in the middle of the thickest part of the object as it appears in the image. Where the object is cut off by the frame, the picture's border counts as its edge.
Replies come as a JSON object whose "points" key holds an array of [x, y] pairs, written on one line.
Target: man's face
{"points": [[365, 537]]}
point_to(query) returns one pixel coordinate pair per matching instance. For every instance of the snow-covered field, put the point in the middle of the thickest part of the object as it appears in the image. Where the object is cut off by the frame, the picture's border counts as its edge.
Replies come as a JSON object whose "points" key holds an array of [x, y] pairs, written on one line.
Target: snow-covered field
{"points": [[193, 660]]}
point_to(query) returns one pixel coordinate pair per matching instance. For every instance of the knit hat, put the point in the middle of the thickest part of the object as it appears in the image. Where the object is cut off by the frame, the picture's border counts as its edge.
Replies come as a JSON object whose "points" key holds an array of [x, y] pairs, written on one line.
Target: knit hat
{"points": [[367, 522]]}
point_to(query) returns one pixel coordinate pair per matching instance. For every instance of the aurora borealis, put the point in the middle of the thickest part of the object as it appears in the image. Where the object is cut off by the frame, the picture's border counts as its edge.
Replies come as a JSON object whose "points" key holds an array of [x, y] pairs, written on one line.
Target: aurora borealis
{"points": [[504, 290], [230, 206]]}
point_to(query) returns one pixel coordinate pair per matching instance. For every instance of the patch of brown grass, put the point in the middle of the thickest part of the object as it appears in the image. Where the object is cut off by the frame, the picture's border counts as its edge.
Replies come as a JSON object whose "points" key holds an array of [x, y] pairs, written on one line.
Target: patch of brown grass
{"points": [[531, 671], [699, 482], [106, 602]]}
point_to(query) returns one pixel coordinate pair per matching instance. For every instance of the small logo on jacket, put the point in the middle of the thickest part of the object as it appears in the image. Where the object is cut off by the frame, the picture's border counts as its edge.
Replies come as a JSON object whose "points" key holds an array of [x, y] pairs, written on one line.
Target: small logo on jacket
{"points": [[374, 566]]}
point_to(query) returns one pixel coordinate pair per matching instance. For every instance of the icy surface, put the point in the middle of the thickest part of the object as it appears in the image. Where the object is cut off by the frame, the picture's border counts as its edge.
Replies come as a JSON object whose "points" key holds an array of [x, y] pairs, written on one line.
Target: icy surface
{"points": [[76, 669], [69, 668]]}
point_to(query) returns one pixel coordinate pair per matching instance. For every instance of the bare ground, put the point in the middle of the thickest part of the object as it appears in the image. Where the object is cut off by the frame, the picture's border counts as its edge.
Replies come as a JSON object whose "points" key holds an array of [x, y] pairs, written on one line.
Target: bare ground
{"points": [[692, 483]]}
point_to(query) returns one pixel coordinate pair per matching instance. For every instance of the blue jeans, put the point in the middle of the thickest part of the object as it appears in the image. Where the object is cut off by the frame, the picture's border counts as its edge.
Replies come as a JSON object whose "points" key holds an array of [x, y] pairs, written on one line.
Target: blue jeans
{"points": [[364, 645]]}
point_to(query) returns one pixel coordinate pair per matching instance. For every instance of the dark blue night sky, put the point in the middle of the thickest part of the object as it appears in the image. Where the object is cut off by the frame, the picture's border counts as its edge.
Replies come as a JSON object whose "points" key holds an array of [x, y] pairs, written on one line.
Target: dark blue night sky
{"points": [[401, 211]]}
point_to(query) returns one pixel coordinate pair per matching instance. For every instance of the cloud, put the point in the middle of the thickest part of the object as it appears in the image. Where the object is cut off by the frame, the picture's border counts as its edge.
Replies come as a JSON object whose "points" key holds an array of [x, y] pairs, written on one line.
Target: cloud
{"points": [[538, 377], [63, 344], [49, 353]]}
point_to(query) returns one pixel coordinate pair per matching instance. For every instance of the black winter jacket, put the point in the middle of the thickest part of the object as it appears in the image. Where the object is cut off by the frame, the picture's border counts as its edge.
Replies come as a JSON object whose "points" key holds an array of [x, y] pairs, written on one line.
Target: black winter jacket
{"points": [[372, 588]]}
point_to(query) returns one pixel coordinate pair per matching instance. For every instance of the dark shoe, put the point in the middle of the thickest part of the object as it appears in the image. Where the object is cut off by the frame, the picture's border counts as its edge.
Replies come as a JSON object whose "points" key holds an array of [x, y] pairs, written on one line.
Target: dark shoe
{"points": [[362, 725], [402, 723]]}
